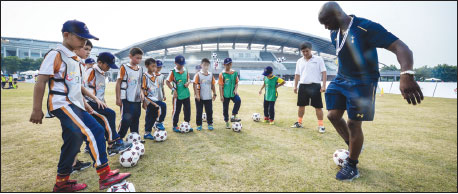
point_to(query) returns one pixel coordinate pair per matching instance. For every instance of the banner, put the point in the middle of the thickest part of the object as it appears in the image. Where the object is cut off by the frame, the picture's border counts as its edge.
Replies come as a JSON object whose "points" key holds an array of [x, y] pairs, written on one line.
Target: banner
{"points": [[251, 75], [445, 90]]}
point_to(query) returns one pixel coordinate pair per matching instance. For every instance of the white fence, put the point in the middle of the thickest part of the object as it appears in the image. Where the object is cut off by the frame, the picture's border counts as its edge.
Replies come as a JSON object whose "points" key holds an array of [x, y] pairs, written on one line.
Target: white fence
{"points": [[430, 89]]}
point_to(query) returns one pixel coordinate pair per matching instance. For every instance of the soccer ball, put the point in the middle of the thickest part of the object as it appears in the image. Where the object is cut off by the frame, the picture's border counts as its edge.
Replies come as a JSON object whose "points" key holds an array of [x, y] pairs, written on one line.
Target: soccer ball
{"points": [[129, 158], [256, 117], [133, 137], [236, 127], [340, 157], [204, 117], [160, 135], [124, 186], [139, 147], [185, 127]]}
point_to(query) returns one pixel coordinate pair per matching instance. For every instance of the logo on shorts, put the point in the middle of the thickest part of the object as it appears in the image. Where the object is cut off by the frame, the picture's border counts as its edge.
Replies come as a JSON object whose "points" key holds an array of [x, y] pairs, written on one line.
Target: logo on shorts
{"points": [[360, 115]]}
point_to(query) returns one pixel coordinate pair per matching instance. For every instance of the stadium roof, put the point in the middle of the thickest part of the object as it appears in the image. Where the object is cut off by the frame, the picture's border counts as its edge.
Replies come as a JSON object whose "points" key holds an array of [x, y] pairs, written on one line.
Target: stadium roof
{"points": [[232, 34]]}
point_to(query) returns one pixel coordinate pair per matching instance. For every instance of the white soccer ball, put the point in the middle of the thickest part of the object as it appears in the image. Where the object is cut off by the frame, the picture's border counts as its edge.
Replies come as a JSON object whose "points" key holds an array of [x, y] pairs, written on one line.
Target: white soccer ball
{"points": [[138, 147], [236, 126], [185, 127], [133, 137], [160, 135], [256, 117], [129, 158], [204, 117], [340, 157], [123, 186]]}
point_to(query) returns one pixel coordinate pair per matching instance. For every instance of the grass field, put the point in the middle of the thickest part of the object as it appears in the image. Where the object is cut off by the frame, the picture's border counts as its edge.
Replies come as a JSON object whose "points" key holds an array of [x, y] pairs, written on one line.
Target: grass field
{"points": [[407, 149]]}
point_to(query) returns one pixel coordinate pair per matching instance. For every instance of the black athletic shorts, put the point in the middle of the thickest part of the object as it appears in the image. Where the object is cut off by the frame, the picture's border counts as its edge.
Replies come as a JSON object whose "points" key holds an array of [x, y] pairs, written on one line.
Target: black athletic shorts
{"points": [[309, 94]]}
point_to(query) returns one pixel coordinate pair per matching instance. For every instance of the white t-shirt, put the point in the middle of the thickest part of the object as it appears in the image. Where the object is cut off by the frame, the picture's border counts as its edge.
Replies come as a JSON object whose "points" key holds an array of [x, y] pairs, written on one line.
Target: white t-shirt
{"points": [[310, 71]]}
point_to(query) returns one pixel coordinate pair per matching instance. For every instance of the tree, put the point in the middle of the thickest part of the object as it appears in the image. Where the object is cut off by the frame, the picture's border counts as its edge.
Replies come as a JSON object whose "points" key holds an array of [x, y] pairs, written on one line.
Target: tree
{"points": [[389, 68], [11, 64], [446, 73], [423, 73]]}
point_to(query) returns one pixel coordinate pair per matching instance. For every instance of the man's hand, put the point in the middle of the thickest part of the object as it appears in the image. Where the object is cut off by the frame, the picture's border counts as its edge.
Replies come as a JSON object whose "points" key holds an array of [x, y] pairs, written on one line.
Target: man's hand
{"points": [[36, 116], [295, 90], [119, 102], [101, 104], [410, 89], [323, 89]]}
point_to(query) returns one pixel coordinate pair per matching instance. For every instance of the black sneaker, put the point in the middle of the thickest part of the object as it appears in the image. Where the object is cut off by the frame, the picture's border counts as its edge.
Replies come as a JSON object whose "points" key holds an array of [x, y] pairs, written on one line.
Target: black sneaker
{"points": [[79, 166], [235, 119], [347, 173], [296, 125], [118, 147]]}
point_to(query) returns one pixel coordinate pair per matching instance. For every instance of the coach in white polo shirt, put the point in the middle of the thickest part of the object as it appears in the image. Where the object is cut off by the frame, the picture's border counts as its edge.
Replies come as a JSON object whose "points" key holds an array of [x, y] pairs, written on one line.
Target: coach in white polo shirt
{"points": [[310, 72]]}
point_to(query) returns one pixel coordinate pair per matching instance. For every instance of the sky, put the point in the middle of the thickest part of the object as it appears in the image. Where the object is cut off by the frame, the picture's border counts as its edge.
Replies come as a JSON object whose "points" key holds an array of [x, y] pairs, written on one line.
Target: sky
{"points": [[428, 28]]}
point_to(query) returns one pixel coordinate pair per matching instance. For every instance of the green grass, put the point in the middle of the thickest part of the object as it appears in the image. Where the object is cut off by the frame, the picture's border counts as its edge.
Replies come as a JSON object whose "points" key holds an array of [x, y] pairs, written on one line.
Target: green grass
{"points": [[407, 148]]}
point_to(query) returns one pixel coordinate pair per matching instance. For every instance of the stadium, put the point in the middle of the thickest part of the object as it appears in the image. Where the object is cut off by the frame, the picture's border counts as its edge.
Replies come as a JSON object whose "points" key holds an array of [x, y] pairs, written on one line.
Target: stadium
{"points": [[252, 48]]}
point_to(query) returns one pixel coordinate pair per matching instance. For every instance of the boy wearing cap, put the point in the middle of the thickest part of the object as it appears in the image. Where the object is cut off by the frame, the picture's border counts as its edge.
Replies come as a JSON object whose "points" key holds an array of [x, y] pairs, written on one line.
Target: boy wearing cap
{"points": [[155, 109], [95, 84], [180, 78], [65, 101], [160, 79], [228, 84], [271, 83], [128, 92], [204, 84]]}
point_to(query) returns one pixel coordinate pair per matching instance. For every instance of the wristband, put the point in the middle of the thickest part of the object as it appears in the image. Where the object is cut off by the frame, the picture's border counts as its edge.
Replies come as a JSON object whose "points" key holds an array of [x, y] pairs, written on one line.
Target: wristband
{"points": [[410, 72]]}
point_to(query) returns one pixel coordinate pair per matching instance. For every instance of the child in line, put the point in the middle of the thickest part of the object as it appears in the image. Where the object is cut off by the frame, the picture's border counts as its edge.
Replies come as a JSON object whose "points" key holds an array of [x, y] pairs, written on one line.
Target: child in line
{"points": [[204, 84], [179, 76], [155, 109], [228, 84], [61, 67], [271, 83], [128, 93]]}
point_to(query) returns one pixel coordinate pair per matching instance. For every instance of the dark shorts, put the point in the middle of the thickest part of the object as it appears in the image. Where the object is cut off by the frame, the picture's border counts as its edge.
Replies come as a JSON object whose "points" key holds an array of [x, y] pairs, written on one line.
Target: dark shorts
{"points": [[356, 97], [309, 94]]}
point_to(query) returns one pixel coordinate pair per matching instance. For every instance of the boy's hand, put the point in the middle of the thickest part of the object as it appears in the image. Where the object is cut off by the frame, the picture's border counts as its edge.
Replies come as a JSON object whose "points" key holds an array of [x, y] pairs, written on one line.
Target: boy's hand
{"points": [[164, 99], [36, 117], [88, 108], [119, 102], [222, 99], [101, 104], [175, 94], [186, 84], [235, 92], [142, 96], [323, 89], [198, 98], [214, 97], [145, 105], [260, 92]]}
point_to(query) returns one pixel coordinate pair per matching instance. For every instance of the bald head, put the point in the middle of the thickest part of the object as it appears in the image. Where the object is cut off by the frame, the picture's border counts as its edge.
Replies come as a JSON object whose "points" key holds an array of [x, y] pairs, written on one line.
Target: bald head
{"points": [[331, 15]]}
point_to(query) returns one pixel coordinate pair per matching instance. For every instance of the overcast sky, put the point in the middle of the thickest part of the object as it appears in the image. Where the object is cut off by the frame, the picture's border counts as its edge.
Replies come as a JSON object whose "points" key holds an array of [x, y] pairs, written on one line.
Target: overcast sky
{"points": [[428, 28]]}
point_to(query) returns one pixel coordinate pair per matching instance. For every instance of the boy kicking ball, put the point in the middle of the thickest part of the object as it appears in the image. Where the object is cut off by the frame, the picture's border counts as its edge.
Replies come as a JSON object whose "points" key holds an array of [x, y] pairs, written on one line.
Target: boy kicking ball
{"points": [[228, 84], [271, 83]]}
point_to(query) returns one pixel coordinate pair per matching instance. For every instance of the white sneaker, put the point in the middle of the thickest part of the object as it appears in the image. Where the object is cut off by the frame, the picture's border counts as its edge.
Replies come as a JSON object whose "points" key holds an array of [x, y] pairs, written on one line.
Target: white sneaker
{"points": [[321, 129]]}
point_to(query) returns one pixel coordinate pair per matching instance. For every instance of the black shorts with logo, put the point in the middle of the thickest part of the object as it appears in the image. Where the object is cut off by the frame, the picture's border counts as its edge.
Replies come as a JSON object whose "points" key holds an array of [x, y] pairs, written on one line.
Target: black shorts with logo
{"points": [[309, 94]]}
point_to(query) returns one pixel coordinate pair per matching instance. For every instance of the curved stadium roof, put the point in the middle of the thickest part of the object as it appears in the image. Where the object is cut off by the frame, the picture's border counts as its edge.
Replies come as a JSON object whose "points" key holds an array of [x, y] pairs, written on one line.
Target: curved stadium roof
{"points": [[232, 34]]}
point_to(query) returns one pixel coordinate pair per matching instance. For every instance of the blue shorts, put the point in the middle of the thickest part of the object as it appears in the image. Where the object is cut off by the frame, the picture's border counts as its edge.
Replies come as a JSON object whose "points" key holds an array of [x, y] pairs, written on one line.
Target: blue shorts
{"points": [[355, 96]]}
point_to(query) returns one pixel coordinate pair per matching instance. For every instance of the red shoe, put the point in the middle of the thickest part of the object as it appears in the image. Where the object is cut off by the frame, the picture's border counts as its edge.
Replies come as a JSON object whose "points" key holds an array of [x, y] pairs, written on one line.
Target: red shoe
{"points": [[70, 186], [112, 178]]}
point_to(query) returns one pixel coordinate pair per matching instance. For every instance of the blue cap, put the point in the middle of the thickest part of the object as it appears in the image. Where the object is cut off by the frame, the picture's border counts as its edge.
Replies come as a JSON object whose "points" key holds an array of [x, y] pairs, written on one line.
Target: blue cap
{"points": [[78, 28], [267, 71], [180, 60], [227, 61], [158, 63], [89, 61], [108, 58]]}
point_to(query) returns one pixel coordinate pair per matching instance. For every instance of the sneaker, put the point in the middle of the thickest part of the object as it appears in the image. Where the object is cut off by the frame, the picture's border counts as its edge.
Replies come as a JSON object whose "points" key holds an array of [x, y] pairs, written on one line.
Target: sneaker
{"points": [[199, 128], [191, 129], [296, 125], [69, 186], [148, 136], [347, 173], [271, 122], [111, 178], [228, 125], [79, 166], [175, 129], [265, 120], [160, 126], [235, 119], [210, 127], [321, 129], [118, 147]]}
